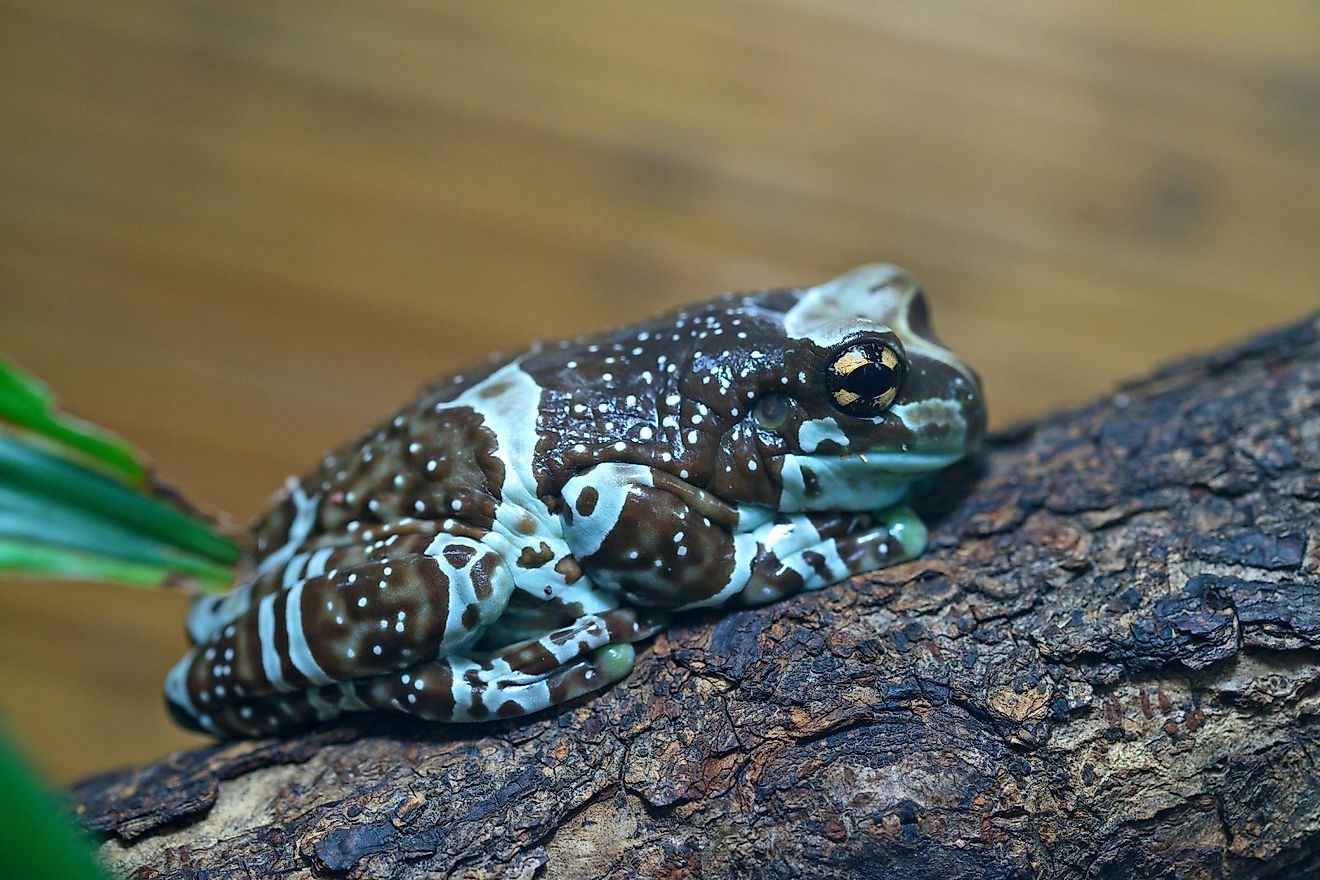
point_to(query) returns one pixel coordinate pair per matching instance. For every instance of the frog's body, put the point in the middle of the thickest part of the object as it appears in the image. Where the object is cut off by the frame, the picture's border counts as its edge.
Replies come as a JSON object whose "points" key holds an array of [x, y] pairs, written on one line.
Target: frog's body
{"points": [[494, 549]]}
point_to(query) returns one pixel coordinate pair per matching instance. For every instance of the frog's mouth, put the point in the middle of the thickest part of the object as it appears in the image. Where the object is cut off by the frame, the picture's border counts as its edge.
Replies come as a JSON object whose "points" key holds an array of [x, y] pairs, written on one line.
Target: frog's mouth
{"points": [[861, 481]]}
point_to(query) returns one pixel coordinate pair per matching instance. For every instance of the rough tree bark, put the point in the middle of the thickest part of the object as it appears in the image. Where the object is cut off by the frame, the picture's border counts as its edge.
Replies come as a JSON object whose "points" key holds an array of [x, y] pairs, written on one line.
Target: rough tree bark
{"points": [[1108, 665]]}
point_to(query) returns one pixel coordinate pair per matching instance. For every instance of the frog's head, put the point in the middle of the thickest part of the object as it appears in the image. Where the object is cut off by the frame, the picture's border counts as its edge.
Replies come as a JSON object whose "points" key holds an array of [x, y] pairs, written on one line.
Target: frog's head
{"points": [[849, 396], [872, 400], [834, 397]]}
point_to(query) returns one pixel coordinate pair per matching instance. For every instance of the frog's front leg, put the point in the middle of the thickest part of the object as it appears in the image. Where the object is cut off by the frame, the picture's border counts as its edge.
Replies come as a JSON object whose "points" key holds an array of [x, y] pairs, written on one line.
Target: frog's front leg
{"points": [[811, 551], [659, 541]]}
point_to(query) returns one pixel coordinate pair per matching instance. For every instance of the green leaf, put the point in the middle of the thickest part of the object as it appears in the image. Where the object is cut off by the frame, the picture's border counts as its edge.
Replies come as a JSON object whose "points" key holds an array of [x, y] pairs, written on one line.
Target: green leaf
{"points": [[63, 487], [37, 839], [45, 560], [27, 403], [75, 501]]}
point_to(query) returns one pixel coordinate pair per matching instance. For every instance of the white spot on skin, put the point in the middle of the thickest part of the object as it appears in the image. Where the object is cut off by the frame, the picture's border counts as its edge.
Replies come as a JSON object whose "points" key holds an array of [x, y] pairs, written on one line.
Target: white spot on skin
{"points": [[944, 415], [610, 482], [816, 431]]}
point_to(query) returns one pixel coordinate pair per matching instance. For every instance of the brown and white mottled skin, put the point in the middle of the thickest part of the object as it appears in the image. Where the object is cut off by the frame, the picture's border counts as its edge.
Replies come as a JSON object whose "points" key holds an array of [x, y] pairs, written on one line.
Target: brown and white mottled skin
{"points": [[496, 547]]}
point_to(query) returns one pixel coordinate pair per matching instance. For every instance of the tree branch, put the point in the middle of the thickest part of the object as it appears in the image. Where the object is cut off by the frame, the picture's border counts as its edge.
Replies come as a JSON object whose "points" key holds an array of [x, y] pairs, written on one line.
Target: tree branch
{"points": [[1107, 665]]}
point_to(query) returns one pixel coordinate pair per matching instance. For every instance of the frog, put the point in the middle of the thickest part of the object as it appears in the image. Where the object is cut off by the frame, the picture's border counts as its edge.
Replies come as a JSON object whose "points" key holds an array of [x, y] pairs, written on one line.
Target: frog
{"points": [[500, 544]]}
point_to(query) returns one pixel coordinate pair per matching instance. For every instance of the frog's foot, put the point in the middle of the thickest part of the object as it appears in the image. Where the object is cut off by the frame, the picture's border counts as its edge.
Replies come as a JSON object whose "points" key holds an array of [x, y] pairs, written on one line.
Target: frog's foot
{"points": [[541, 656], [595, 651], [837, 546]]}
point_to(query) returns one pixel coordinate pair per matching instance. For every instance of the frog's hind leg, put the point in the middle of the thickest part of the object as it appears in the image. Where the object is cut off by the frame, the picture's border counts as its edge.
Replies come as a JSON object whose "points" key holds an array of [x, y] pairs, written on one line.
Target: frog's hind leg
{"points": [[592, 653], [325, 554], [348, 624]]}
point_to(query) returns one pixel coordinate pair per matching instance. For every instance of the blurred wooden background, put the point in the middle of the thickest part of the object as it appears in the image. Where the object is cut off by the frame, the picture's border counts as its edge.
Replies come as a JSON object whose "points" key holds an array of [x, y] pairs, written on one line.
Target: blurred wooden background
{"points": [[238, 232]]}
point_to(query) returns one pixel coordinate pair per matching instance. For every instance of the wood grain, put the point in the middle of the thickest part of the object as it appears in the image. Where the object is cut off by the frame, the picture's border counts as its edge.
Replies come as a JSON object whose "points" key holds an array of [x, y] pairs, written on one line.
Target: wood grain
{"points": [[238, 232]]}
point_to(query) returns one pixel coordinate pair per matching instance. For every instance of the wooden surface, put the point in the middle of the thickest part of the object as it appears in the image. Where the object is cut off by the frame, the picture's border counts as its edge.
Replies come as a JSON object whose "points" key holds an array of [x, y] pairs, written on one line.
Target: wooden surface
{"points": [[237, 233]]}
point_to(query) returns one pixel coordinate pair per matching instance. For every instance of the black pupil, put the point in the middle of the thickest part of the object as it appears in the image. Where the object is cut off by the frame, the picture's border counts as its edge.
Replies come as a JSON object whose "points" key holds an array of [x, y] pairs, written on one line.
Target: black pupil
{"points": [[870, 380]]}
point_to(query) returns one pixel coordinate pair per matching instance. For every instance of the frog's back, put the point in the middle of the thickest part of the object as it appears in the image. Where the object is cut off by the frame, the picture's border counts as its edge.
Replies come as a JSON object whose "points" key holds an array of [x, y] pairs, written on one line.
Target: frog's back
{"points": [[430, 461]]}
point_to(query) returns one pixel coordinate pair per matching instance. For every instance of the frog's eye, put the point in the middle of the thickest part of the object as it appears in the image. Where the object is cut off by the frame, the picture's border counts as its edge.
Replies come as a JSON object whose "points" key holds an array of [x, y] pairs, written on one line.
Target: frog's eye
{"points": [[771, 411], [864, 378]]}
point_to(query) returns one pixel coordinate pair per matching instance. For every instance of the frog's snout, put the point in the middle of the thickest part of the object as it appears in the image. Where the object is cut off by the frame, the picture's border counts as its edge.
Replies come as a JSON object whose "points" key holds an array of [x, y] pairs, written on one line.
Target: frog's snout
{"points": [[941, 425]]}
